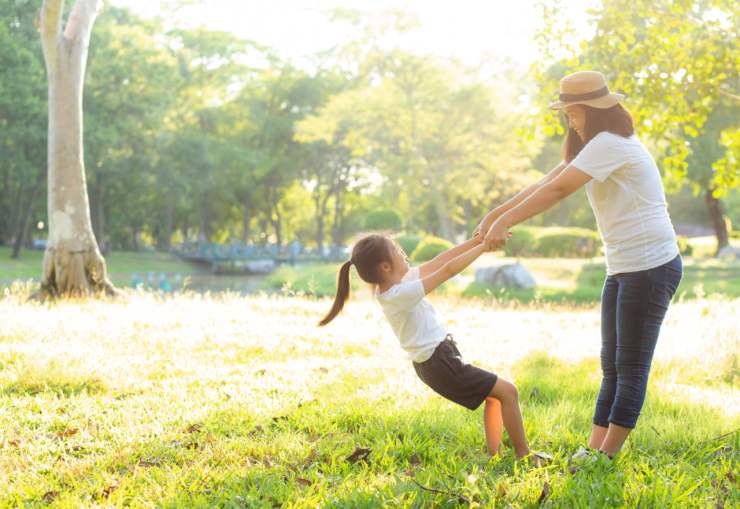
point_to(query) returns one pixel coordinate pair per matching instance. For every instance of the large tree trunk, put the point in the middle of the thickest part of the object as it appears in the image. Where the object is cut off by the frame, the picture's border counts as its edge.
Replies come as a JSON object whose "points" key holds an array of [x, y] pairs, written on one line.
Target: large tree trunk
{"points": [[717, 215], [73, 264]]}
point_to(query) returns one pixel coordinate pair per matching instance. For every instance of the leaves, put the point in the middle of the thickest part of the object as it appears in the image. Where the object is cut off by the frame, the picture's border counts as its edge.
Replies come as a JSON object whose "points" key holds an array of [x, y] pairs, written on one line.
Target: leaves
{"points": [[545, 493], [359, 454], [49, 496], [67, 433]]}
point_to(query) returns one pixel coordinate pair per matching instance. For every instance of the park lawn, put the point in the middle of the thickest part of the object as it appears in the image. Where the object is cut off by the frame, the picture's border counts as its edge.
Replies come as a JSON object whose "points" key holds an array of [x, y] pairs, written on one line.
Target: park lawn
{"points": [[29, 264], [203, 401]]}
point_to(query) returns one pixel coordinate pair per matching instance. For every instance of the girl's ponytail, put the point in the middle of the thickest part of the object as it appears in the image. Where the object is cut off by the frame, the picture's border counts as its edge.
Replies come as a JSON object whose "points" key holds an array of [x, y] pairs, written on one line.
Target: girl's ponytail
{"points": [[342, 293]]}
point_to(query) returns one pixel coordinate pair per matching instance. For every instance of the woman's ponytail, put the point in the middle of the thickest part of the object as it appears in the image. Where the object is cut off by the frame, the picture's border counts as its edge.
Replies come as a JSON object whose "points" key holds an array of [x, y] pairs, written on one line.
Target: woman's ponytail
{"points": [[342, 293]]}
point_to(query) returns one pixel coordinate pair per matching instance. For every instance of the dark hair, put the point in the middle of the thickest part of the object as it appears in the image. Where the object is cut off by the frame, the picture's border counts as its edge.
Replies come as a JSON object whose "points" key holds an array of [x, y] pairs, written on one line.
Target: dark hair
{"points": [[367, 255], [615, 120]]}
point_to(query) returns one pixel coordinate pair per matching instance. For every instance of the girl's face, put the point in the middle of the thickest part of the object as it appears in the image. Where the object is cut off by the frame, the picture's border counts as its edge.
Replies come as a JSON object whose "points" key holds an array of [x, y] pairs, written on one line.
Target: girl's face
{"points": [[400, 263], [576, 116]]}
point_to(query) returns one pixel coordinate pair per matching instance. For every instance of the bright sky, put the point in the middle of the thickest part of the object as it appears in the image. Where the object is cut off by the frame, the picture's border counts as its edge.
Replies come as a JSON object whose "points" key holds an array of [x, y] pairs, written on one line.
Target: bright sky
{"points": [[472, 30]]}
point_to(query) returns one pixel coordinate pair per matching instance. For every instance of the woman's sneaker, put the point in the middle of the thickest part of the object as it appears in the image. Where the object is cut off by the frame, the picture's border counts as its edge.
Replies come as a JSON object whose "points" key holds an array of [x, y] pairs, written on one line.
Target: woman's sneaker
{"points": [[585, 456], [539, 459], [582, 454]]}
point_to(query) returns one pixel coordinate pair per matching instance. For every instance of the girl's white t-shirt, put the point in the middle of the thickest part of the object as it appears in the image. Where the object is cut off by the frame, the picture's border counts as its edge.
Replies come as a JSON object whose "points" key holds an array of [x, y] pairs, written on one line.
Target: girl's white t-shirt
{"points": [[412, 318], [627, 197]]}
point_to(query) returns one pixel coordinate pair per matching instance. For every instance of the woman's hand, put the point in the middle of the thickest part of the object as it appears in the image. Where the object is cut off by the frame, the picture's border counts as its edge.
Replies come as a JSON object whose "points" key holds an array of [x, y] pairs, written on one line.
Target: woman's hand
{"points": [[497, 236], [484, 225]]}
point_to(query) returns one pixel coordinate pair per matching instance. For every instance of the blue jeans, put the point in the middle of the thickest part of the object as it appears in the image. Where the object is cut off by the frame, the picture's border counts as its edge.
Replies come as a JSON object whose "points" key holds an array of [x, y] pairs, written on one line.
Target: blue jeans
{"points": [[633, 305]]}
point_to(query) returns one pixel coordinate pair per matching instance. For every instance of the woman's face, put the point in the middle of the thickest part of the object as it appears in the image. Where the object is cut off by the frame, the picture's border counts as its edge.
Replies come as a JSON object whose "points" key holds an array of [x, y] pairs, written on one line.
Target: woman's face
{"points": [[576, 116]]}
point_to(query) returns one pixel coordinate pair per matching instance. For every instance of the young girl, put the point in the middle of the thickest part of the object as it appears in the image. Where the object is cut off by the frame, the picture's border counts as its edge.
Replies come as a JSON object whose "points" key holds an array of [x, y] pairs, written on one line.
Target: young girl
{"points": [[400, 290]]}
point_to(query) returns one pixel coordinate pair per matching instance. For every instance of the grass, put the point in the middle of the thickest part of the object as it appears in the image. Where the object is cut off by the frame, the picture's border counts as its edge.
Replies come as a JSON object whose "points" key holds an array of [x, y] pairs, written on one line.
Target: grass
{"points": [[30, 262], [227, 401]]}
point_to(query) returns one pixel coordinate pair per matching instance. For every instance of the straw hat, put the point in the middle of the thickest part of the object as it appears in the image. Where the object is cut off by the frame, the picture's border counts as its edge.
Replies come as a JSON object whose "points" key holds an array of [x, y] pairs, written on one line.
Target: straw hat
{"points": [[586, 87]]}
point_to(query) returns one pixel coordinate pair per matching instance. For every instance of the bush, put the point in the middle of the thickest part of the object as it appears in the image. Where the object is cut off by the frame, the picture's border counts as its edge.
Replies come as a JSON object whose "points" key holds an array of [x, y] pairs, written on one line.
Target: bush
{"points": [[408, 242], [383, 219], [428, 248], [569, 243], [521, 243], [684, 246]]}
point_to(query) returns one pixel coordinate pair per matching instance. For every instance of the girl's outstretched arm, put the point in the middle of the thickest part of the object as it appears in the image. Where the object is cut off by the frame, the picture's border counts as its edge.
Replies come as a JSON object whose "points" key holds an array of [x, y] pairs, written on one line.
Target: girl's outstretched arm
{"points": [[438, 261], [451, 268]]}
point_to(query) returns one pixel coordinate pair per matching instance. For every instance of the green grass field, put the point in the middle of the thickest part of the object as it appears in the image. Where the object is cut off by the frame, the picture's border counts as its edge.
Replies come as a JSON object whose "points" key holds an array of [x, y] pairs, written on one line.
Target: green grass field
{"points": [[30, 262], [226, 401]]}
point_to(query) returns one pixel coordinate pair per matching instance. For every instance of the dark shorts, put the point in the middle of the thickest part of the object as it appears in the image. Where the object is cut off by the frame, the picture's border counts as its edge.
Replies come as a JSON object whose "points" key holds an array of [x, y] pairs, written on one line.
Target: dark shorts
{"points": [[452, 378]]}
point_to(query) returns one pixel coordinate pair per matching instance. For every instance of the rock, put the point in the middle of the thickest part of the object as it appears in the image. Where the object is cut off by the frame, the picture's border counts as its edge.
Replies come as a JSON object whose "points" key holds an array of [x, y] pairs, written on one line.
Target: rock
{"points": [[261, 266], [729, 253], [511, 275]]}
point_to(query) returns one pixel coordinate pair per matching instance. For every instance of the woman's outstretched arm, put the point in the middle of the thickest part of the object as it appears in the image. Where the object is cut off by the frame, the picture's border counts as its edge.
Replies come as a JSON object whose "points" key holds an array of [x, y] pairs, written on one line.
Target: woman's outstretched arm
{"points": [[570, 180], [512, 202]]}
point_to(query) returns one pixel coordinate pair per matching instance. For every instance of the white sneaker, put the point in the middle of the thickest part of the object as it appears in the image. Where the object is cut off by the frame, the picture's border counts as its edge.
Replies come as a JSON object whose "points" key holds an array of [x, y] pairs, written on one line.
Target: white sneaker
{"points": [[582, 454]]}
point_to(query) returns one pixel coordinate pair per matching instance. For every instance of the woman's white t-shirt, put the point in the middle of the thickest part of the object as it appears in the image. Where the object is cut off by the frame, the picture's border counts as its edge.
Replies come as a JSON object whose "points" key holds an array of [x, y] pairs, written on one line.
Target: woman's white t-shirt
{"points": [[412, 317], [627, 197]]}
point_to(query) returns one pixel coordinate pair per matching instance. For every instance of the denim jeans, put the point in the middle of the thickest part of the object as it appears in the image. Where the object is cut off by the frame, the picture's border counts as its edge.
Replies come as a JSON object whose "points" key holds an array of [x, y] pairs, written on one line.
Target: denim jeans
{"points": [[633, 305]]}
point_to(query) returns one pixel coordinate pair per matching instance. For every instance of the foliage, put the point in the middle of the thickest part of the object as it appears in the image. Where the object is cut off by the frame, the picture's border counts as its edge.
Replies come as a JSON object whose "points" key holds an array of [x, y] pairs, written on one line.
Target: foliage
{"points": [[521, 243], [428, 248], [684, 246], [383, 219], [408, 242], [569, 243]]}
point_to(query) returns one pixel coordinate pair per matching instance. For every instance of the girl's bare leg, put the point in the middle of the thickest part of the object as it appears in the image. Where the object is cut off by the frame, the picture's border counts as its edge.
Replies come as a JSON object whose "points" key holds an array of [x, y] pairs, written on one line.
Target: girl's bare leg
{"points": [[507, 394], [493, 424]]}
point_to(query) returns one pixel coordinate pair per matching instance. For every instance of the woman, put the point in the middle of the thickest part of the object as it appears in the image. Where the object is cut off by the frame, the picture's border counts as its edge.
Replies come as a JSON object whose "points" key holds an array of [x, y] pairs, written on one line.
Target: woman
{"points": [[643, 264]]}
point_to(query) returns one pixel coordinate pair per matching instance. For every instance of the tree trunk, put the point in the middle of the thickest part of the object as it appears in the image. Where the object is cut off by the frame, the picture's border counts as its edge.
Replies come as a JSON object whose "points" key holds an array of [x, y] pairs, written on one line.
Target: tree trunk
{"points": [[165, 232], [320, 215], [440, 208], [246, 218], [24, 224], [337, 230], [277, 224], [203, 217], [135, 237], [716, 214], [73, 264], [468, 211]]}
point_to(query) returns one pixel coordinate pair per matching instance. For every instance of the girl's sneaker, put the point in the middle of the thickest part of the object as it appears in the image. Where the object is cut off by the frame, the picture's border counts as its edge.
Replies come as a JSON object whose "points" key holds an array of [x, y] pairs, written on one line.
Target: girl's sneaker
{"points": [[539, 459]]}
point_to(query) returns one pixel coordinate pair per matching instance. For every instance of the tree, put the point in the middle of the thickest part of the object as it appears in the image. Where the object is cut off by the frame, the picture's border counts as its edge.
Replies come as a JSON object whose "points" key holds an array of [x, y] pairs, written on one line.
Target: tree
{"points": [[677, 62], [73, 264], [22, 125]]}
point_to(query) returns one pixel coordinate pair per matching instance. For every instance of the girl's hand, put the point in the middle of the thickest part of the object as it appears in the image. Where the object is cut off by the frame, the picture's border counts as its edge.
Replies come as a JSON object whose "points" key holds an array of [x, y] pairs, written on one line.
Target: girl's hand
{"points": [[496, 236]]}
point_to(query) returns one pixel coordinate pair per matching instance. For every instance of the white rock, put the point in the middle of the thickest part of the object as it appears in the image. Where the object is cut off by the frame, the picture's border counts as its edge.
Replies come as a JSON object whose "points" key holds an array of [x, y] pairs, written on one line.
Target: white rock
{"points": [[729, 253], [261, 266], [511, 275]]}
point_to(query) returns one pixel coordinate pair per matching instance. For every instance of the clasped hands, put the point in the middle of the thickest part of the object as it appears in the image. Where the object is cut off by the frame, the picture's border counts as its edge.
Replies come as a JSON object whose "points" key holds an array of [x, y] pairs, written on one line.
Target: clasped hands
{"points": [[493, 233]]}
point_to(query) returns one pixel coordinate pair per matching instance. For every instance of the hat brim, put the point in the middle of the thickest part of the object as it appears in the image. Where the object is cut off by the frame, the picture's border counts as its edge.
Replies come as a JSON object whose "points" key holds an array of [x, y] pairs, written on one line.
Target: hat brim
{"points": [[601, 102]]}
